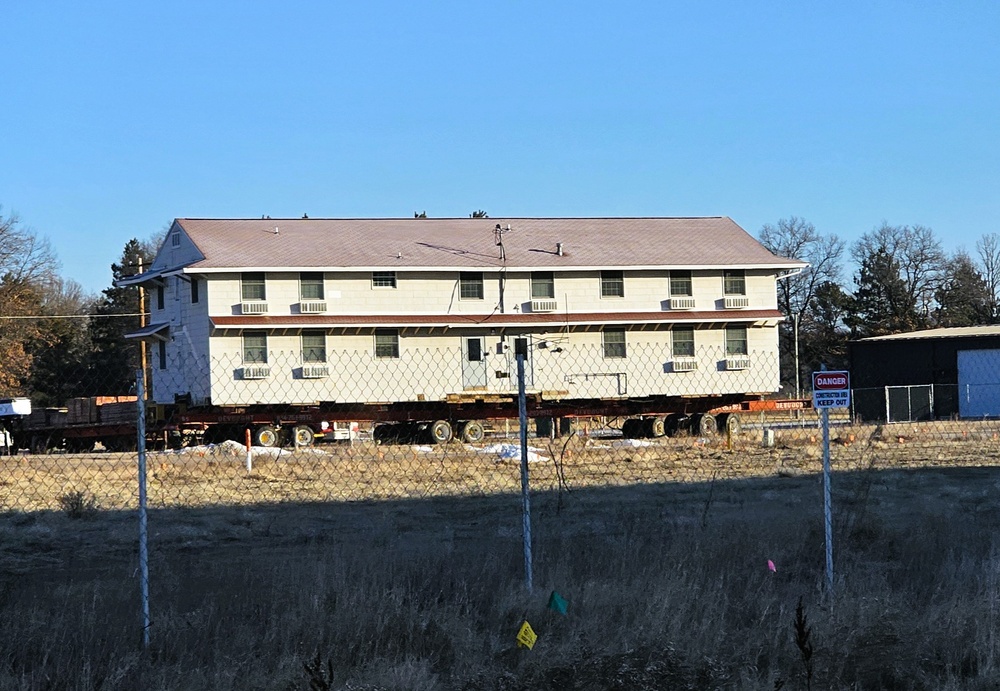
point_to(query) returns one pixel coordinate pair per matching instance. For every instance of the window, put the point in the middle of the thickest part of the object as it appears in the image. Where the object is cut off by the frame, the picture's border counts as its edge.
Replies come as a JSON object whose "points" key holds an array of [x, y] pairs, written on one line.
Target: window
{"points": [[734, 282], [474, 348], [680, 284], [254, 348], [383, 279], [614, 343], [175, 240], [252, 286], [682, 341], [736, 341], [612, 284], [313, 347], [159, 297], [386, 343], [311, 286], [194, 291], [163, 354], [470, 285], [543, 286]]}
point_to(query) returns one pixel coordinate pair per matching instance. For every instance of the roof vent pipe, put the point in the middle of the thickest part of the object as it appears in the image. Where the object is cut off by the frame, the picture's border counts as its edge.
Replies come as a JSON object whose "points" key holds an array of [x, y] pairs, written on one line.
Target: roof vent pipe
{"points": [[559, 249]]}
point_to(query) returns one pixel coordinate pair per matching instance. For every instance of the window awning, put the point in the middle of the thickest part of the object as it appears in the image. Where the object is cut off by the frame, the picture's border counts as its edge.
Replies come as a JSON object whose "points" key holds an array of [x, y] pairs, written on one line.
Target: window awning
{"points": [[152, 332]]}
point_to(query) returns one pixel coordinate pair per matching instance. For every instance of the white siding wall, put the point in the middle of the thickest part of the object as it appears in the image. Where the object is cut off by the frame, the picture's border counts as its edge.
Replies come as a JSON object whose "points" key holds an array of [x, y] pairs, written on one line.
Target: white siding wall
{"points": [[430, 367], [438, 293]]}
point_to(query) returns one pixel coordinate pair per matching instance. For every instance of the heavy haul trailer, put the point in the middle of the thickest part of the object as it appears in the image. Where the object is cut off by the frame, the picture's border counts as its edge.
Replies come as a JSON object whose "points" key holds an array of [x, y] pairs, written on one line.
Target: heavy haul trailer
{"points": [[111, 420], [463, 418], [79, 426]]}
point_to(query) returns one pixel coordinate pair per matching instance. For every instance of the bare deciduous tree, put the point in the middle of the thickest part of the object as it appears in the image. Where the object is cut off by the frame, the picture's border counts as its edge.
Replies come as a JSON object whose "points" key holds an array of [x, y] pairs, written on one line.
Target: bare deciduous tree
{"points": [[796, 238], [988, 248], [917, 252]]}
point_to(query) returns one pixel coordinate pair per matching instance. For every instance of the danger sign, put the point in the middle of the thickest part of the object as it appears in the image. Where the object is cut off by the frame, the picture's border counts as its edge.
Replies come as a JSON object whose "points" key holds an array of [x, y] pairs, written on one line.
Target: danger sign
{"points": [[831, 390]]}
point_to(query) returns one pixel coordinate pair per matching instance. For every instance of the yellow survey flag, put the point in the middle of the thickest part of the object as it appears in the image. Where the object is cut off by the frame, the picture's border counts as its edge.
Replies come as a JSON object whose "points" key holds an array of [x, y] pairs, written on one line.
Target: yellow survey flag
{"points": [[526, 637]]}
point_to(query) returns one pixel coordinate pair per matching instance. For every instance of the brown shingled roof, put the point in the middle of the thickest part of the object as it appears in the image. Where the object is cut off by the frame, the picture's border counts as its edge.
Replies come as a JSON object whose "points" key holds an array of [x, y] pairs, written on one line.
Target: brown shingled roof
{"points": [[467, 242]]}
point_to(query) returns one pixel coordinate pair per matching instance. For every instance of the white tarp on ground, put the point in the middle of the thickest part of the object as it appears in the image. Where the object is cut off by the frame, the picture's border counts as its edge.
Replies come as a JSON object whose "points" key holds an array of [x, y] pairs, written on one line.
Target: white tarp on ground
{"points": [[234, 450], [511, 452]]}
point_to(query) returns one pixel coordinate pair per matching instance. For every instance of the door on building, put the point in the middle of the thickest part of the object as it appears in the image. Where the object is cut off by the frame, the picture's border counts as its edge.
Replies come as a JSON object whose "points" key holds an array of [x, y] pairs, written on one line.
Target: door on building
{"points": [[978, 383], [474, 362]]}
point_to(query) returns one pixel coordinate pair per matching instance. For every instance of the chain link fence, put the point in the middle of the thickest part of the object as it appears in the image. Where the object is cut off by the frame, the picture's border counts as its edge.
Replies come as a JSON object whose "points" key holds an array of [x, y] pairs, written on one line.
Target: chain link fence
{"points": [[373, 524], [359, 427]]}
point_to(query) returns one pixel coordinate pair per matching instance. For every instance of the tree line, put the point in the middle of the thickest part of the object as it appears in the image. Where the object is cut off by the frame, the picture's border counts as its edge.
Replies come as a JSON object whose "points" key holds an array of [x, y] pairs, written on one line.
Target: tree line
{"points": [[903, 281], [57, 342]]}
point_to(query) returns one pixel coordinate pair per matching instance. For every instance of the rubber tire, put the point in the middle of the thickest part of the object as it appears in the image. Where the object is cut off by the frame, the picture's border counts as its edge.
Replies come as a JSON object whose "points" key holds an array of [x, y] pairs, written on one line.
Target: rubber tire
{"points": [[730, 424], [440, 432], [707, 426], [657, 427], [632, 428], [302, 436], [673, 423], [265, 436], [473, 432]]}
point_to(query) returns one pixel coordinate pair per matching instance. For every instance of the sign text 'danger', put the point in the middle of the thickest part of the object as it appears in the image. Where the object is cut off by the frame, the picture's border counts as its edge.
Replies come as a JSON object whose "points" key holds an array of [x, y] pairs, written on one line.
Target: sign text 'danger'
{"points": [[830, 381]]}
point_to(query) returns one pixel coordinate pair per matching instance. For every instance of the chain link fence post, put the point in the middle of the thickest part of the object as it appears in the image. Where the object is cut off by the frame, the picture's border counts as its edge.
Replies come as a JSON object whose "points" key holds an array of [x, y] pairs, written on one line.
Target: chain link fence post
{"points": [[143, 533], [525, 499]]}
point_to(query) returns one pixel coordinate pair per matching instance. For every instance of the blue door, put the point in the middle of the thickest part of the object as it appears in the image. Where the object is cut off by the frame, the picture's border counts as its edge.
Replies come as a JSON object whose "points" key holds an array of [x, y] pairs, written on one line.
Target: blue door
{"points": [[979, 383]]}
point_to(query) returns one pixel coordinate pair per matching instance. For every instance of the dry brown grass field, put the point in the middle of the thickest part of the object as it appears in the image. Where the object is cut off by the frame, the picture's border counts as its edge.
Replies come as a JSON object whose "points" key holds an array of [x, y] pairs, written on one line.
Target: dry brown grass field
{"points": [[401, 567]]}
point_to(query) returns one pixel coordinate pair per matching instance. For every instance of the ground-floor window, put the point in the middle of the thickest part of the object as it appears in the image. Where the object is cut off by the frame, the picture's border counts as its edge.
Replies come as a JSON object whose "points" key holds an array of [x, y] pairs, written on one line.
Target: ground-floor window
{"points": [[255, 347], [387, 343], [614, 343]]}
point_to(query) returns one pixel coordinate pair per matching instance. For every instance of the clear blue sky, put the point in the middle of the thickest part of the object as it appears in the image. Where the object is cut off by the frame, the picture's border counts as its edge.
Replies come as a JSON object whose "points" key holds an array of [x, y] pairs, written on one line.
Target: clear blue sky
{"points": [[118, 117]]}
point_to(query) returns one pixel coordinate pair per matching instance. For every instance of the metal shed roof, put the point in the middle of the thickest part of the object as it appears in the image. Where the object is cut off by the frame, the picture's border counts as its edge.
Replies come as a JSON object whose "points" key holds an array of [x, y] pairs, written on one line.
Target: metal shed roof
{"points": [[953, 332]]}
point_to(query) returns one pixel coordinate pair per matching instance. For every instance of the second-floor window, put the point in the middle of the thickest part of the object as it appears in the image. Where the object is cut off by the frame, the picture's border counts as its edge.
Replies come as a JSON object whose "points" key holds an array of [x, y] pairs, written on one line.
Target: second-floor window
{"points": [[680, 284], [311, 286], [254, 348], [470, 285], [195, 296], [543, 285], [386, 343], [252, 286], [736, 341], [159, 297], [682, 341], [612, 284], [734, 282], [383, 279], [313, 347], [614, 343]]}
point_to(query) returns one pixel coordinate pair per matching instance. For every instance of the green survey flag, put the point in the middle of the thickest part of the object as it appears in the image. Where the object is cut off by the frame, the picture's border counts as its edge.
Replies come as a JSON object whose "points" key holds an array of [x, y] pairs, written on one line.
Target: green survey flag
{"points": [[557, 603]]}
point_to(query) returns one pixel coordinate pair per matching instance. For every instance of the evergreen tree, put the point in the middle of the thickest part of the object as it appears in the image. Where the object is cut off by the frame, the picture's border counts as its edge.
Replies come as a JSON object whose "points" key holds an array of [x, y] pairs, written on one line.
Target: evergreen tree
{"points": [[113, 359], [883, 302], [963, 298]]}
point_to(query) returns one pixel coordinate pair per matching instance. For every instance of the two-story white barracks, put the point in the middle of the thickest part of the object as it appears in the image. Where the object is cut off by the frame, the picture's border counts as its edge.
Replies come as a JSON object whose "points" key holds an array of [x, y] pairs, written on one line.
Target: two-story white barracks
{"points": [[380, 310]]}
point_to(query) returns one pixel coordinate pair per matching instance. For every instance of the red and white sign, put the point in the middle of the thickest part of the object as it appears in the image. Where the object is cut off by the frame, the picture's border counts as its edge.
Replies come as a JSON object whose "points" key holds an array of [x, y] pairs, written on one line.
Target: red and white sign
{"points": [[830, 381], [831, 390]]}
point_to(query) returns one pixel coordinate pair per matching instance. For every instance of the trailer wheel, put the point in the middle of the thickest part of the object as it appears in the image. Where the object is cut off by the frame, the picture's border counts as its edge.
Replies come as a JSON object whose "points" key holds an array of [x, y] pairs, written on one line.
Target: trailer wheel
{"points": [[657, 427], [672, 424], [706, 425], [473, 431], [265, 436], [441, 432], [632, 428], [729, 423], [303, 435]]}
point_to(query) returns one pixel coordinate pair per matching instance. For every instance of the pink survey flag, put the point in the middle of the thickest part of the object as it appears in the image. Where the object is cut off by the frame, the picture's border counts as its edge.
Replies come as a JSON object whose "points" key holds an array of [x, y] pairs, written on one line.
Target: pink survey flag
{"points": [[771, 567]]}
